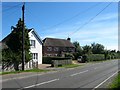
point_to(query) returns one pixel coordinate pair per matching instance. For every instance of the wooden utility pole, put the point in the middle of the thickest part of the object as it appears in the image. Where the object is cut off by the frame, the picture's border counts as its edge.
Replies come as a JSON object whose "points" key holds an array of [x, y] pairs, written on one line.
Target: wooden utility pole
{"points": [[23, 31]]}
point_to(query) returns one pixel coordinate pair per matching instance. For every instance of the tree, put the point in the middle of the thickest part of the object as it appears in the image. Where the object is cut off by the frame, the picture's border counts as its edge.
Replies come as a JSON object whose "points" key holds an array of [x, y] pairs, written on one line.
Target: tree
{"points": [[78, 50], [77, 47], [15, 44], [87, 49], [97, 48]]}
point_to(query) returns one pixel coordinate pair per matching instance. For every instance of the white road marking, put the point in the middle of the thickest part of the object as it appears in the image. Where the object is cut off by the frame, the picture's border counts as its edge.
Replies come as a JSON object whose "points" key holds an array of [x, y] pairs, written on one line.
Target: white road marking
{"points": [[105, 80], [40, 83], [79, 73]]}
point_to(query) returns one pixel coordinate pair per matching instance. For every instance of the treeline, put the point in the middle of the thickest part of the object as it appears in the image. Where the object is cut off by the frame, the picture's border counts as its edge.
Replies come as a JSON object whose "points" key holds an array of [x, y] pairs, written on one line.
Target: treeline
{"points": [[94, 52]]}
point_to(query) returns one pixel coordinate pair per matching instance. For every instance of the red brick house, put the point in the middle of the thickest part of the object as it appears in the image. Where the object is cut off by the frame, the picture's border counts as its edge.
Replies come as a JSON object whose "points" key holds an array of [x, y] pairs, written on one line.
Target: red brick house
{"points": [[57, 47]]}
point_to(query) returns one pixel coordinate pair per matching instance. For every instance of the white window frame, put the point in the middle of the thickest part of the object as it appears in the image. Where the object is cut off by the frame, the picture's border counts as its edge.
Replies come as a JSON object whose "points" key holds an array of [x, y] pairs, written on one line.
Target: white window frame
{"points": [[56, 49], [35, 56], [32, 43], [49, 48]]}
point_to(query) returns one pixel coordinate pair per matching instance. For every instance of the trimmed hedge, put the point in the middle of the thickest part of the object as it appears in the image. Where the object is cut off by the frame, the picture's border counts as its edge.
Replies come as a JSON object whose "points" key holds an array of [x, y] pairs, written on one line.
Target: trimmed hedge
{"points": [[48, 60], [95, 57]]}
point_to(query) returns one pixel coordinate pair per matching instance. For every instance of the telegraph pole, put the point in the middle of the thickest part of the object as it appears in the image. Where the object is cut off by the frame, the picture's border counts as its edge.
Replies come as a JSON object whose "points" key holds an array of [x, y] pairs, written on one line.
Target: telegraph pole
{"points": [[23, 31]]}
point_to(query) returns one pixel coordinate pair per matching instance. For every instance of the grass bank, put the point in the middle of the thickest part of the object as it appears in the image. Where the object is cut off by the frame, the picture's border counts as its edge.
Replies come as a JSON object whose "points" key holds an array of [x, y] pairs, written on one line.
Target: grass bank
{"points": [[116, 83], [16, 72]]}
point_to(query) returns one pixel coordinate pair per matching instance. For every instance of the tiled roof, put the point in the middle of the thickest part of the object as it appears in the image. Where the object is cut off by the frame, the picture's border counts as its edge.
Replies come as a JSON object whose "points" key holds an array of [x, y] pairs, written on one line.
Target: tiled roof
{"points": [[57, 42]]}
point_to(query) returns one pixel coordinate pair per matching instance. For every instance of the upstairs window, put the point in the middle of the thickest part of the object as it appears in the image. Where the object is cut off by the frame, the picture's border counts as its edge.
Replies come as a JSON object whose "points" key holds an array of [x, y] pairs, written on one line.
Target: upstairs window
{"points": [[71, 49], [32, 43], [65, 49], [56, 49], [49, 48]]}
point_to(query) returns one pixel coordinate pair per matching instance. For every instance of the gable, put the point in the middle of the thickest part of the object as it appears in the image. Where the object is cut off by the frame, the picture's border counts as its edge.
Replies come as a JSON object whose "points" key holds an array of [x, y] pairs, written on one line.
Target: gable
{"points": [[32, 33]]}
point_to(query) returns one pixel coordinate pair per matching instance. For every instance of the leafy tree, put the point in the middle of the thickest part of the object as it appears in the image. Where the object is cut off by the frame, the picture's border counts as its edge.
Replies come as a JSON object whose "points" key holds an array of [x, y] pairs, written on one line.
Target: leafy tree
{"points": [[78, 50], [87, 49], [118, 54], [14, 42], [97, 48], [77, 47]]}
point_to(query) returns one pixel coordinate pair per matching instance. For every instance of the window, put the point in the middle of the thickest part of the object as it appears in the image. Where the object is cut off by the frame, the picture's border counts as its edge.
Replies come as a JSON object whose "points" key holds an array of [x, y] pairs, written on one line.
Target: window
{"points": [[49, 48], [65, 49], [71, 49], [32, 43], [56, 49], [35, 56]]}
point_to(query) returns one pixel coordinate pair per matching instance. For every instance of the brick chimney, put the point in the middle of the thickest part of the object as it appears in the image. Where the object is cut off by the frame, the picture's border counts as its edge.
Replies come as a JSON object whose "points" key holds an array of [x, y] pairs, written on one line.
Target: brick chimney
{"points": [[68, 39]]}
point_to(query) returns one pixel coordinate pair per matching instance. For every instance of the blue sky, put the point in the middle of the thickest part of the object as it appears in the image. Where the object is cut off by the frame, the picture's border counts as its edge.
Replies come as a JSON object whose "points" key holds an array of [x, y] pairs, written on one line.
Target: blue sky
{"points": [[62, 19]]}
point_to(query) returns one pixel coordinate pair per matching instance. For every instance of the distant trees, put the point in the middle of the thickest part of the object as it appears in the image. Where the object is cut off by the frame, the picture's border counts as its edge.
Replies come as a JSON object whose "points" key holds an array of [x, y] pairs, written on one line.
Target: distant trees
{"points": [[95, 49], [14, 42]]}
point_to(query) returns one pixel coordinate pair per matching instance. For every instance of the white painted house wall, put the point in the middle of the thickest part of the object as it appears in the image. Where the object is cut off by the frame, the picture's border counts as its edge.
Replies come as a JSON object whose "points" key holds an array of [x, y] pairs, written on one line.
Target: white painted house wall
{"points": [[37, 49]]}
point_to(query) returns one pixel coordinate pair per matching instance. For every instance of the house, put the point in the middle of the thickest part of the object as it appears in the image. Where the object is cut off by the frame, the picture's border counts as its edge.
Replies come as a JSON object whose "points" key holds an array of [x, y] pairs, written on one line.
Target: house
{"points": [[35, 48], [57, 47]]}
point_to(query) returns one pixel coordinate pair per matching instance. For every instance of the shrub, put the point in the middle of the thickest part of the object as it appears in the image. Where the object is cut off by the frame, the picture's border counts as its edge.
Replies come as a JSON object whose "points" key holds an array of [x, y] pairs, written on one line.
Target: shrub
{"points": [[95, 57], [69, 55], [48, 60], [76, 55]]}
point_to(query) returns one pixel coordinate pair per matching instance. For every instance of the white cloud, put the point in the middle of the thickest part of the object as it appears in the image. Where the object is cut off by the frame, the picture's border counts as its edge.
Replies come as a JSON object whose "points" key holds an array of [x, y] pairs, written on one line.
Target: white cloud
{"points": [[112, 47], [107, 16]]}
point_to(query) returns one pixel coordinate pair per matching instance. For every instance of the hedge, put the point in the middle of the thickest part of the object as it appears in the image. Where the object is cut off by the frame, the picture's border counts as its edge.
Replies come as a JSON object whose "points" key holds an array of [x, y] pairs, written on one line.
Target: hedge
{"points": [[95, 57], [48, 60]]}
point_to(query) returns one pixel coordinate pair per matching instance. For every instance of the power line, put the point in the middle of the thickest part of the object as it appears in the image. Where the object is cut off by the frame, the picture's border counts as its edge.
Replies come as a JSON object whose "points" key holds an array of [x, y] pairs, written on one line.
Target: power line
{"points": [[91, 19], [12, 7], [12, 12], [66, 20]]}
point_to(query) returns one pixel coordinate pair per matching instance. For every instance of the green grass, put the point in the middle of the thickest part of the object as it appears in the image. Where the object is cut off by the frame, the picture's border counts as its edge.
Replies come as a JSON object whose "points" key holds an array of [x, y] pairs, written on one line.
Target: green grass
{"points": [[115, 83], [70, 66], [16, 72]]}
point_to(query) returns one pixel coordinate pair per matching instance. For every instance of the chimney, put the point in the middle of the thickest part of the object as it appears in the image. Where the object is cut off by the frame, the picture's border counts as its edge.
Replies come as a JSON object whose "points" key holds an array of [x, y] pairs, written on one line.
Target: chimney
{"points": [[68, 39]]}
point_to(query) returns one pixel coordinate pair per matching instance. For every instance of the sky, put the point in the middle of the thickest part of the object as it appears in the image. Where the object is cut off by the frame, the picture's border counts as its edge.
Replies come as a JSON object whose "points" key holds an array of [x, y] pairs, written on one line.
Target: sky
{"points": [[85, 22]]}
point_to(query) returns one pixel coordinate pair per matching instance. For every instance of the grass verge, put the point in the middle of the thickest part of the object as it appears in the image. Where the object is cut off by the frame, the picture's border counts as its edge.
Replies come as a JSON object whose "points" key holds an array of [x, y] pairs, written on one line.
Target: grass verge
{"points": [[116, 83], [16, 72]]}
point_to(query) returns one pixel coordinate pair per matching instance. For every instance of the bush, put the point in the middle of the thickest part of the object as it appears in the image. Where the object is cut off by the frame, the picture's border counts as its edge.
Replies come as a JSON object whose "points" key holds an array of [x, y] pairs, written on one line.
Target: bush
{"points": [[48, 60], [84, 58], [69, 55], [76, 55], [95, 57]]}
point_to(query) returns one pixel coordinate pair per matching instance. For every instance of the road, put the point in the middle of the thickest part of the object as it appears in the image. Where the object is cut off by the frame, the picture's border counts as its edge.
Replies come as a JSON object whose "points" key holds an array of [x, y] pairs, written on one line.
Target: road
{"points": [[90, 76]]}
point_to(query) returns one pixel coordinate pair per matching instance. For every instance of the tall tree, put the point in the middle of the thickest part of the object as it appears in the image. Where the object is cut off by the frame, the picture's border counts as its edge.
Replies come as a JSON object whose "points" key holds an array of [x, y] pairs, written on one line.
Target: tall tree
{"points": [[87, 49], [15, 44], [97, 48], [78, 50], [77, 47]]}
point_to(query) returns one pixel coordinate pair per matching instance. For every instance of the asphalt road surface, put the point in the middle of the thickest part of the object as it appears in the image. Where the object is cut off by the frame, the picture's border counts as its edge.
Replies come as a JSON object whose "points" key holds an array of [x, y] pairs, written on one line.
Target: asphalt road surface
{"points": [[91, 76]]}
